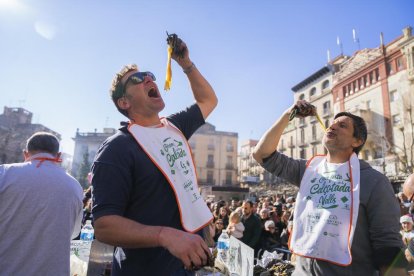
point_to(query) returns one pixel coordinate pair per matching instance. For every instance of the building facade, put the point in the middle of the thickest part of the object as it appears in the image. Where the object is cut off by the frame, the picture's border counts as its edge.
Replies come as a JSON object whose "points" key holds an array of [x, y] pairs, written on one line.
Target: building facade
{"points": [[215, 156], [86, 146], [377, 84], [15, 128]]}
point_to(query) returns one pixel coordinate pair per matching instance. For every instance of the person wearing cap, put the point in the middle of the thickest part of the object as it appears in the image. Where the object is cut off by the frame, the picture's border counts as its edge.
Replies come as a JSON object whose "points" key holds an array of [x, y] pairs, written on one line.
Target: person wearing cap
{"points": [[146, 200], [346, 216], [407, 231]]}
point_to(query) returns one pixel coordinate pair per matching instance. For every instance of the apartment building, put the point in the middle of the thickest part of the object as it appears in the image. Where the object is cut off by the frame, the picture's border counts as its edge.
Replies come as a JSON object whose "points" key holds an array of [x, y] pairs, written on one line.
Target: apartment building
{"points": [[215, 156]]}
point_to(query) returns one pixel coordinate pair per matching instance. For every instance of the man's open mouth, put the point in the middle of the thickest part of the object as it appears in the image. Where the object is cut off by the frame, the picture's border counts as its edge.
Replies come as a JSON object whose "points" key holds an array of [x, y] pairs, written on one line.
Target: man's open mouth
{"points": [[153, 93]]}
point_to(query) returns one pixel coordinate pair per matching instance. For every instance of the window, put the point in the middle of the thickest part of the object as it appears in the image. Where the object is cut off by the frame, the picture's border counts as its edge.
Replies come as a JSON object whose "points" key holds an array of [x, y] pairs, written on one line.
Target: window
{"points": [[312, 91], [393, 96], [303, 154], [400, 64], [302, 135], [229, 147], [229, 163], [210, 179], [313, 132], [377, 76], [325, 84], [377, 153], [228, 178], [326, 108], [210, 161], [396, 119], [302, 96], [210, 145], [389, 68]]}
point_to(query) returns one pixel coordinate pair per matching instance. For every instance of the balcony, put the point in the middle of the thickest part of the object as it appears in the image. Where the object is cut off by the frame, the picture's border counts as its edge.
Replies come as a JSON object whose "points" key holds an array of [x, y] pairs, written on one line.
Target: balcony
{"points": [[230, 149], [315, 140], [229, 167], [291, 144], [206, 182], [302, 144], [210, 164], [210, 147]]}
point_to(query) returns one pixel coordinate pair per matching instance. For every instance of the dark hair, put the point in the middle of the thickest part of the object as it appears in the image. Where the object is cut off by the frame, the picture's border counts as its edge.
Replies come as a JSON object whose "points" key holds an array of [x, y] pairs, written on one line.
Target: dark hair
{"points": [[117, 89], [249, 202], [360, 128], [43, 142]]}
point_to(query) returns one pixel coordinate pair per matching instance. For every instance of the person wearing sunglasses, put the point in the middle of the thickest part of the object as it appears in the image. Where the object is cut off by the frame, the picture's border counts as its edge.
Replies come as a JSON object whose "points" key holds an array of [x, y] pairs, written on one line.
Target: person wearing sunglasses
{"points": [[145, 196], [346, 217]]}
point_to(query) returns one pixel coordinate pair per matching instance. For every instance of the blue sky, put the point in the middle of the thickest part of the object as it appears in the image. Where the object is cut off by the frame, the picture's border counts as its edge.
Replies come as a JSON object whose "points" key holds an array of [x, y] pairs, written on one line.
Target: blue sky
{"points": [[57, 58]]}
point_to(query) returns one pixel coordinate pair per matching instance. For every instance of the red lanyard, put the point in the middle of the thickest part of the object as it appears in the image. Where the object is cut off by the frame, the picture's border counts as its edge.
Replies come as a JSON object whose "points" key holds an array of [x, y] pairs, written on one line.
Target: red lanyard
{"points": [[43, 159]]}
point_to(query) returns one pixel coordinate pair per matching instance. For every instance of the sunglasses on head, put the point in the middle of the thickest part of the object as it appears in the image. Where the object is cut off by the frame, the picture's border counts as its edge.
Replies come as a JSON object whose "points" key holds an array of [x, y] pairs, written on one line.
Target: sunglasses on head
{"points": [[138, 78]]}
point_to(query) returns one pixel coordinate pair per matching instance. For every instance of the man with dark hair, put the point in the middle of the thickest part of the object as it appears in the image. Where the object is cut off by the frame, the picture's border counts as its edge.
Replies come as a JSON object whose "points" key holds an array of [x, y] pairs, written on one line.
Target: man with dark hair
{"points": [[252, 226], [346, 216], [40, 211], [145, 196]]}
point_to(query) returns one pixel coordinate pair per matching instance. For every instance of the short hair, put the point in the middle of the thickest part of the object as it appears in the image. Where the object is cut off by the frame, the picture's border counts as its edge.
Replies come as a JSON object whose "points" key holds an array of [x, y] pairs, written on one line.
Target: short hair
{"points": [[117, 89], [43, 142], [360, 128], [249, 202]]}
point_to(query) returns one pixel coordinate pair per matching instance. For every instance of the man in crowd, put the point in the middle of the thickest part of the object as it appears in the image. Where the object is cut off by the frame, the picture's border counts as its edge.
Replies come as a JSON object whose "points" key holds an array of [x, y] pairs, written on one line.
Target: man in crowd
{"points": [[252, 226], [40, 211], [346, 216], [145, 194], [408, 189]]}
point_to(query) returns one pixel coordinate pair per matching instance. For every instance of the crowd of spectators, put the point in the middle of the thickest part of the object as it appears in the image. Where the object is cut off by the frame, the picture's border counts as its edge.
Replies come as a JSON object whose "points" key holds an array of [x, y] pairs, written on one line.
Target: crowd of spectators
{"points": [[263, 225]]}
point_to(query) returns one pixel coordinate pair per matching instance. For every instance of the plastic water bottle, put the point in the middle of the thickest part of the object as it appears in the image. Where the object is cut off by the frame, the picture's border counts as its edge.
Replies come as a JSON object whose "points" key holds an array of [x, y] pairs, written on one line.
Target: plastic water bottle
{"points": [[223, 245], [87, 232]]}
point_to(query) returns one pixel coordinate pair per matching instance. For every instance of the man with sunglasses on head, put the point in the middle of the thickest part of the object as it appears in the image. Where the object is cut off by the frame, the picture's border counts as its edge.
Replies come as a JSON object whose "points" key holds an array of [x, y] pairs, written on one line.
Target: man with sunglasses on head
{"points": [[145, 196], [346, 216]]}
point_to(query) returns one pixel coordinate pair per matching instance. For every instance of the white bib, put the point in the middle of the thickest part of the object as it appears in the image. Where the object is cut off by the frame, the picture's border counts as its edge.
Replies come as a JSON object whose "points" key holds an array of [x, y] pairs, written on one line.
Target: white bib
{"points": [[168, 149], [326, 211]]}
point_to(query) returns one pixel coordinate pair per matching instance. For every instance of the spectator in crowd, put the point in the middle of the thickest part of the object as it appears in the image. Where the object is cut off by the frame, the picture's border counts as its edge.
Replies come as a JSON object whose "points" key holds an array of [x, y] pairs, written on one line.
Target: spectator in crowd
{"points": [[235, 227], [264, 215], [252, 226], [408, 190], [283, 222], [40, 211], [337, 189], [270, 239], [140, 204], [223, 215], [285, 235], [407, 231], [219, 229], [404, 203], [233, 206]]}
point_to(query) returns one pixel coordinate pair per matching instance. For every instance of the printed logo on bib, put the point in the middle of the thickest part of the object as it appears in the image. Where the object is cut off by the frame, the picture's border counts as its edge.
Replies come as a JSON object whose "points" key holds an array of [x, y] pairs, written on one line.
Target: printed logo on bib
{"points": [[177, 158], [330, 190]]}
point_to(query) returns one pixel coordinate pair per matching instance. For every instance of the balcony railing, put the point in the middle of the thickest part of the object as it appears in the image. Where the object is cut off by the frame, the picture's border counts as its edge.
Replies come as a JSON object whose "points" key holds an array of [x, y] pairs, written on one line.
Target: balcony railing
{"points": [[210, 147], [210, 164], [229, 167]]}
